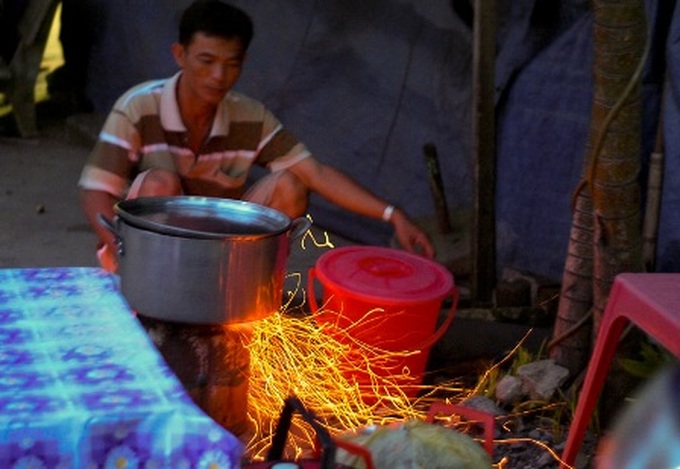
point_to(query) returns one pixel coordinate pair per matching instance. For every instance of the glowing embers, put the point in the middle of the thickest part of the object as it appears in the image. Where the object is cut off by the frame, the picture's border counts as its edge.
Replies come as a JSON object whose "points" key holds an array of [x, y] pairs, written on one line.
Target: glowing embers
{"points": [[296, 356], [318, 363]]}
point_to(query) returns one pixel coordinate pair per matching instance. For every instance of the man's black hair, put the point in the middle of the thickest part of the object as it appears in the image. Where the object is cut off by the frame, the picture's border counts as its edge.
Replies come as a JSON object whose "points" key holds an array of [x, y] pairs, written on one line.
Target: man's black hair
{"points": [[215, 18]]}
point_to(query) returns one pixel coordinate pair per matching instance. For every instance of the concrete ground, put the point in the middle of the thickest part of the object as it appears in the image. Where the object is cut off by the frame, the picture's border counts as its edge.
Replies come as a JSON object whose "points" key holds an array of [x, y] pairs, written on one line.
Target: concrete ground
{"points": [[41, 222]]}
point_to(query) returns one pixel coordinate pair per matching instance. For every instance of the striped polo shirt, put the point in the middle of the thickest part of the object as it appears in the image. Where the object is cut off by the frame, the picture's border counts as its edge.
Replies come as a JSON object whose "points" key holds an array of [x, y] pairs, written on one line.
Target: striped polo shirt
{"points": [[145, 131]]}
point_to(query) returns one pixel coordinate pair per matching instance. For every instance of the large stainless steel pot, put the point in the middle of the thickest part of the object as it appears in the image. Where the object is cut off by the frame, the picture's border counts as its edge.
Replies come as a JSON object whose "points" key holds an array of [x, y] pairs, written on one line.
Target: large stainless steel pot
{"points": [[202, 260]]}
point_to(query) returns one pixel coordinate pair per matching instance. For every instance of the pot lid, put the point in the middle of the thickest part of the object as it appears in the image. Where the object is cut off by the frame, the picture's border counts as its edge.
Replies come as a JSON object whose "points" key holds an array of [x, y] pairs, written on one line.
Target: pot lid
{"points": [[384, 274], [202, 217]]}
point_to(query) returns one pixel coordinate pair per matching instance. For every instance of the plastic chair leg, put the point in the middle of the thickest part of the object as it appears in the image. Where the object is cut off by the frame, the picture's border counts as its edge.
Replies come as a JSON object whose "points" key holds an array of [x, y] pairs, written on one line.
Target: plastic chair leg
{"points": [[605, 349], [650, 301]]}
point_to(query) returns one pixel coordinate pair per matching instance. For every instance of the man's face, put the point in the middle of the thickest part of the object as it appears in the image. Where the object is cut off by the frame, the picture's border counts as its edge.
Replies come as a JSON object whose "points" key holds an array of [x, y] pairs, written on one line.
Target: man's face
{"points": [[211, 66]]}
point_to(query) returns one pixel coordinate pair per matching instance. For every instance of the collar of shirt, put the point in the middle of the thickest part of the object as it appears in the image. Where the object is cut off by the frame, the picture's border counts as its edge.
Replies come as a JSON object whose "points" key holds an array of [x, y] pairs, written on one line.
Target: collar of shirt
{"points": [[172, 120]]}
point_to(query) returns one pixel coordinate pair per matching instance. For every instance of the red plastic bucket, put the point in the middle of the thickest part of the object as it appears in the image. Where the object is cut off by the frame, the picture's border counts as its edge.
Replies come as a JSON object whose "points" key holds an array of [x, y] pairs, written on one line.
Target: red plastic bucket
{"points": [[388, 299]]}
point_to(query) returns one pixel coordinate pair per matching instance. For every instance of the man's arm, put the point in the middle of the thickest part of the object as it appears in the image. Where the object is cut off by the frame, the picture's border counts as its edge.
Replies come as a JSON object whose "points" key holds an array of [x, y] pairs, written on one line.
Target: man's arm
{"points": [[346, 193]]}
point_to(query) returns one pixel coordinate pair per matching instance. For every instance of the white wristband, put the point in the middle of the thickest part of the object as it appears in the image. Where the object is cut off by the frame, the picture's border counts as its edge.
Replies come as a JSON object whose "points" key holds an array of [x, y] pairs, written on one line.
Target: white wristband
{"points": [[387, 213]]}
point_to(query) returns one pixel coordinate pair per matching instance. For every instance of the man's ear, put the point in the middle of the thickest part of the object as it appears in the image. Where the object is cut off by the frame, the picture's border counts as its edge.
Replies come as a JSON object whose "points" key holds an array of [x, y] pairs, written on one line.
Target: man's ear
{"points": [[177, 50]]}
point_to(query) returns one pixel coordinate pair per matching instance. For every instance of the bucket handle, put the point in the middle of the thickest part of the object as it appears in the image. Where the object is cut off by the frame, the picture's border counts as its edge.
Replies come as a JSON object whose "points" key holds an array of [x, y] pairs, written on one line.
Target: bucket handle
{"points": [[311, 298], [455, 295]]}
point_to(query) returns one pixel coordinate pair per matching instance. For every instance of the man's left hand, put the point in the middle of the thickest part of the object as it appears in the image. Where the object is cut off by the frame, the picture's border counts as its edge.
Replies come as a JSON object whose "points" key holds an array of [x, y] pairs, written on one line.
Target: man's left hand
{"points": [[410, 236]]}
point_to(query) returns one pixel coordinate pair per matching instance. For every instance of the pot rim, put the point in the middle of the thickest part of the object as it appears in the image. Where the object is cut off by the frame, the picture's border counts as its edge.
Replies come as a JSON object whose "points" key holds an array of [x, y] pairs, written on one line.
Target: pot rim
{"points": [[135, 212]]}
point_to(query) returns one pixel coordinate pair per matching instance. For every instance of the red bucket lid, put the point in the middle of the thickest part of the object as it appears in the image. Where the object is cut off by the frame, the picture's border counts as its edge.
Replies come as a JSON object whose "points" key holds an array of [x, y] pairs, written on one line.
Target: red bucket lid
{"points": [[384, 274]]}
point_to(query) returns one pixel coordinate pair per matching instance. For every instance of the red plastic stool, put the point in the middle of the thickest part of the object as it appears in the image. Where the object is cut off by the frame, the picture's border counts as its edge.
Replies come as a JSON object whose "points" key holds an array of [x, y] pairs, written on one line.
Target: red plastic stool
{"points": [[650, 302]]}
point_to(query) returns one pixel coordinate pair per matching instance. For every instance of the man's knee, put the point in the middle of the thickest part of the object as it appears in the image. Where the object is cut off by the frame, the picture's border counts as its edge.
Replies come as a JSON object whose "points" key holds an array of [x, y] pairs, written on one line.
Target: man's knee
{"points": [[159, 182], [291, 196]]}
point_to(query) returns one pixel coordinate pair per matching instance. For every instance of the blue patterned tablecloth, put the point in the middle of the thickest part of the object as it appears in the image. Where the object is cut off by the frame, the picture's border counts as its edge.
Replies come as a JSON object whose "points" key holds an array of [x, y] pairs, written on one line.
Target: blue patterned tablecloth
{"points": [[82, 386]]}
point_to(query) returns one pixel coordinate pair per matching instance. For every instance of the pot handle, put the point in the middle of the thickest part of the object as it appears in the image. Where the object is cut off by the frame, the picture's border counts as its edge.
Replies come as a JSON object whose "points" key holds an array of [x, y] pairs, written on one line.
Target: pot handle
{"points": [[111, 226], [299, 226], [106, 223], [291, 404]]}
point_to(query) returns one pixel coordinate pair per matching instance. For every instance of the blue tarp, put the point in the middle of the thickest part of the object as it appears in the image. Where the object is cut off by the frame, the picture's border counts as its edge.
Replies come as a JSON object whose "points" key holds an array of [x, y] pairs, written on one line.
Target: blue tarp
{"points": [[669, 228]]}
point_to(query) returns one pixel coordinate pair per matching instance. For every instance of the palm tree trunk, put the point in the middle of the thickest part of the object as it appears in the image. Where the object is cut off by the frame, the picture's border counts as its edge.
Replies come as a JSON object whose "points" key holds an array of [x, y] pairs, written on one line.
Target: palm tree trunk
{"points": [[605, 237], [619, 31], [570, 346]]}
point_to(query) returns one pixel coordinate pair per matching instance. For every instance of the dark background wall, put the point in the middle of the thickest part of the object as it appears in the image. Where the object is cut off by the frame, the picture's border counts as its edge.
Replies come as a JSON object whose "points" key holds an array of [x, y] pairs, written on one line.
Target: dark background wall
{"points": [[366, 84]]}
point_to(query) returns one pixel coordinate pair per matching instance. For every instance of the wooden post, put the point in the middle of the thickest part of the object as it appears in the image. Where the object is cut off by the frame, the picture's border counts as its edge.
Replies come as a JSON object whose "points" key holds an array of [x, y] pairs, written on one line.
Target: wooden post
{"points": [[650, 226], [437, 188], [484, 149]]}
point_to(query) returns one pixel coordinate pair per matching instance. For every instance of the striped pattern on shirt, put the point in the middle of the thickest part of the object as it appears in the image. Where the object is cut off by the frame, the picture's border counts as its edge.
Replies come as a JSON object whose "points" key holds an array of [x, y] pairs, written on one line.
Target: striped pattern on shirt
{"points": [[145, 131]]}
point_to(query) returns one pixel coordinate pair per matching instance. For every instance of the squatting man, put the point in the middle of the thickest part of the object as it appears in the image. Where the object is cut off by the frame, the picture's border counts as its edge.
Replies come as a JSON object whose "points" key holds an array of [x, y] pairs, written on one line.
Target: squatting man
{"points": [[192, 134]]}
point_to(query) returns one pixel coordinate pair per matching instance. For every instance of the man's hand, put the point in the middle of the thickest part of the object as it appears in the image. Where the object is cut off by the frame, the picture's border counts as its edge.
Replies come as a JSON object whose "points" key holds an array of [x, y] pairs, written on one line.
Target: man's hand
{"points": [[411, 237], [342, 190]]}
